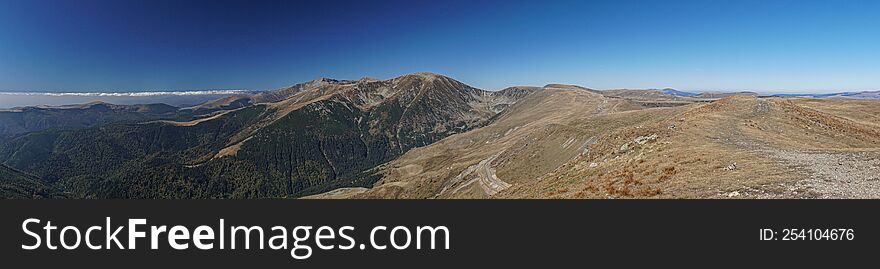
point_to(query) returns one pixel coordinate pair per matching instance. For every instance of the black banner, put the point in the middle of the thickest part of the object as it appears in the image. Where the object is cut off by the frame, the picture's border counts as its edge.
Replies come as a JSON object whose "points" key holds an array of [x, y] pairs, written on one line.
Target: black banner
{"points": [[491, 233]]}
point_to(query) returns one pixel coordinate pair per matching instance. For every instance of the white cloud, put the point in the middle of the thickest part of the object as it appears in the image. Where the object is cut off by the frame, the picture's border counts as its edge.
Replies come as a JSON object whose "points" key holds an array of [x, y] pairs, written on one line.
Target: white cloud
{"points": [[129, 94]]}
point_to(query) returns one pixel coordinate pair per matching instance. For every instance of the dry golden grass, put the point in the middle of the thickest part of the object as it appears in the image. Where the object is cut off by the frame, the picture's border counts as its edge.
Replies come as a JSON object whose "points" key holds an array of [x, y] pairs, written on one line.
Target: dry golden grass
{"points": [[718, 149], [697, 147]]}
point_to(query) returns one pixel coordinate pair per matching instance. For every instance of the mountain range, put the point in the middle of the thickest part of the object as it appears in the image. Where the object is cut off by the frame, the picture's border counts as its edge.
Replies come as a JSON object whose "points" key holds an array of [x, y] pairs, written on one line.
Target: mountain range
{"points": [[425, 135], [303, 139]]}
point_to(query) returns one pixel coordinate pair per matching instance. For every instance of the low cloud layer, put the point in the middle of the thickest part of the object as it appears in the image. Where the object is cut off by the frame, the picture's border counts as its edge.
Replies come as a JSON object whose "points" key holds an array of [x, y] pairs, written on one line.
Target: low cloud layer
{"points": [[129, 94]]}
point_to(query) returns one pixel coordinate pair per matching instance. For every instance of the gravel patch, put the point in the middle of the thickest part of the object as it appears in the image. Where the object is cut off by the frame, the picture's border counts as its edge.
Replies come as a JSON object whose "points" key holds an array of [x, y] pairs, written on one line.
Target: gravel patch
{"points": [[836, 175], [829, 175]]}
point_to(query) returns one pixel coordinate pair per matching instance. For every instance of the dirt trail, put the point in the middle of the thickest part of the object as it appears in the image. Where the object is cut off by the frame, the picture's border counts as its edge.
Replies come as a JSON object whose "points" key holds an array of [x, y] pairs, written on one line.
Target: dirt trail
{"points": [[485, 176], [489, 182], [192, 122]]}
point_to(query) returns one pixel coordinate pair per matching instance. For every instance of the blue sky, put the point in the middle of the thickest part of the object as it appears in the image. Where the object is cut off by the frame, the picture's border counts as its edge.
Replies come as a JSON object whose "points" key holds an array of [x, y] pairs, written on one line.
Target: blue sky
{"points": [[766, 46]]}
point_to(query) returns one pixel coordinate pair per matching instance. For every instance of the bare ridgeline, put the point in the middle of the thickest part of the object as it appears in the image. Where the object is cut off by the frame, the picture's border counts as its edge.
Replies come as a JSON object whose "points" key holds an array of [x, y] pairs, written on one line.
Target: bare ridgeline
{"points": [[428, 136]]}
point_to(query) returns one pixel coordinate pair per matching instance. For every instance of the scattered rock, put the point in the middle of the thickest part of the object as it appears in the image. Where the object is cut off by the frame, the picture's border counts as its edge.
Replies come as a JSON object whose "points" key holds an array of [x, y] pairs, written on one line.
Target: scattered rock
{"points": [[730, 167], [641, 140], [732, 194], [625, 148], [592, 165]]}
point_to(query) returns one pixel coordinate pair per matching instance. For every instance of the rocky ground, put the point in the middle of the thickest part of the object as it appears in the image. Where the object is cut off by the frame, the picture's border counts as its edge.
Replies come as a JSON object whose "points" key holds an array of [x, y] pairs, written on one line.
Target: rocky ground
{"points": [[838, 175], [829, 173]]}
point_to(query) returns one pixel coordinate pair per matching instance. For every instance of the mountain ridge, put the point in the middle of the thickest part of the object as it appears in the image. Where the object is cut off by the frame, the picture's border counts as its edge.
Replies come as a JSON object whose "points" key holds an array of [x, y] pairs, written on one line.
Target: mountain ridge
{"points": [[425, 135], [315, 136]]}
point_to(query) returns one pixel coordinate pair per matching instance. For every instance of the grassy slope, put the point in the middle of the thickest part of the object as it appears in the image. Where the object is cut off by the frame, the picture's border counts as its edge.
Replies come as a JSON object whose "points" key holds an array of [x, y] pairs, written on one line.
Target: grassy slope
{"points": [[739, 147], [533, 137], [696, 148]]}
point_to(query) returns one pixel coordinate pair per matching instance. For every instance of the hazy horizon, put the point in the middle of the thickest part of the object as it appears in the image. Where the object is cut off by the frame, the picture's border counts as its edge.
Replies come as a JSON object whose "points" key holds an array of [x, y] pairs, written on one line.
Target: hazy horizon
{"points": [[184, 98], [174, 98]]}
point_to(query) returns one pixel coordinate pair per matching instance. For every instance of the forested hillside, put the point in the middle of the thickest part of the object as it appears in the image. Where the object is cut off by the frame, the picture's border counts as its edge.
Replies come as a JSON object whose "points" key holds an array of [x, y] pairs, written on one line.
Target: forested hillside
{"points": [[18, 121], [15, 184], [310, 138]]}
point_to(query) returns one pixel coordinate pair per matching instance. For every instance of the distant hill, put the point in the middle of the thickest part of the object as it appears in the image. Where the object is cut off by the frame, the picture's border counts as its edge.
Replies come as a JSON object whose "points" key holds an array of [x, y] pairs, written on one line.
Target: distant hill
{"points": [[640, 94], [719, 95], [677, 92], [17, 121], [840, 95], [865, 94]]}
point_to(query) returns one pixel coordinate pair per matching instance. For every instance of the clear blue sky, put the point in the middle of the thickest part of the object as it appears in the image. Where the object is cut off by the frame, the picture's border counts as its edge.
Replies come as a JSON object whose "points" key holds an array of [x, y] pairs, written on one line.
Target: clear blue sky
{"points": [[768, 46]]}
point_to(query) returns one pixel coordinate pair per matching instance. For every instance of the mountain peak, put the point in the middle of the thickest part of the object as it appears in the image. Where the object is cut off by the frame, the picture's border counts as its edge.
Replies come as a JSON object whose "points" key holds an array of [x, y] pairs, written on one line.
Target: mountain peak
{"points": [[676, 92], [324, 80], [422, 76]]}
